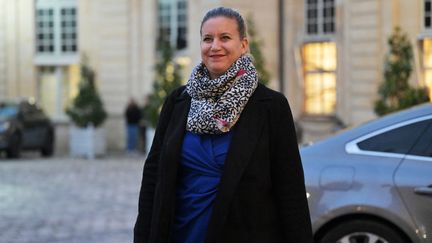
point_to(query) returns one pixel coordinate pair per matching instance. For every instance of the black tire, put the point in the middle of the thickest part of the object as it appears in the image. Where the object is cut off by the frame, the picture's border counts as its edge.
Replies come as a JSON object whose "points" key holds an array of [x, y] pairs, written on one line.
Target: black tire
{"points": [[14, 149], [48, 147], [362, 231]]}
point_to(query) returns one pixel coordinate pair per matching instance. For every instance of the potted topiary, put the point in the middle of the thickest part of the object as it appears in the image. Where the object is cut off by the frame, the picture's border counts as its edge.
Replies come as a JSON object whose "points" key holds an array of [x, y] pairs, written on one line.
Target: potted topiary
{"points": [[87, 113], [395, 92]]}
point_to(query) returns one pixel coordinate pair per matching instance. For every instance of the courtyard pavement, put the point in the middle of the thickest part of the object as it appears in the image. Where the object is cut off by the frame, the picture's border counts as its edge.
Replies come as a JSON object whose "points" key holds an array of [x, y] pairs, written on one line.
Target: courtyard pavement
{"points": [[69, 200]]}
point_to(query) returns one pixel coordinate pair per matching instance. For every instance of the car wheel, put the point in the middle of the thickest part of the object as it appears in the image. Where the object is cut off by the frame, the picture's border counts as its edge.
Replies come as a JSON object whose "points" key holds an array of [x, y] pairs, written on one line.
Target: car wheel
{"points": [[14, 149], [48, 147], [362, 231]]}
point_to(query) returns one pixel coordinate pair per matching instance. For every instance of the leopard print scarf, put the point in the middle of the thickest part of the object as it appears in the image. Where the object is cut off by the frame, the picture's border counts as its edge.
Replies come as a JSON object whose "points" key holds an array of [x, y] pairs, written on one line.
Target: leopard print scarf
{"points": [[217, 104]]}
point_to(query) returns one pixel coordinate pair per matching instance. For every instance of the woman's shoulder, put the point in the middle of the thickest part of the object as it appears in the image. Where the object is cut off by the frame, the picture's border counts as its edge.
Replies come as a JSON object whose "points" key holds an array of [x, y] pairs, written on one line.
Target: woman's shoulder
{"points": [[272, 95], [177, 93]]}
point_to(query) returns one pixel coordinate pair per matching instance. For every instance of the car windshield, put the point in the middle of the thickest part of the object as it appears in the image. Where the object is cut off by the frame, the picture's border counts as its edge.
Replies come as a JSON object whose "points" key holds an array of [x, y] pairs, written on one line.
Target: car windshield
{"points": [[8, 110]]}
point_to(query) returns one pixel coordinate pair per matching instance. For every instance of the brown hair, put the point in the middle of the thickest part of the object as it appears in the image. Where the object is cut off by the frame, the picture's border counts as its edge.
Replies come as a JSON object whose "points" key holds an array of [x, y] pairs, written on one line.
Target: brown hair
{"points": [[228, 13]]}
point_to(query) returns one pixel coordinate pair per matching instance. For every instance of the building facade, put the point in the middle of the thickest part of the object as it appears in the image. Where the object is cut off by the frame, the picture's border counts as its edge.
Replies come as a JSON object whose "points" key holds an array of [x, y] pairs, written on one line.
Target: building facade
{"points": [[326, 56], [42, 43]]}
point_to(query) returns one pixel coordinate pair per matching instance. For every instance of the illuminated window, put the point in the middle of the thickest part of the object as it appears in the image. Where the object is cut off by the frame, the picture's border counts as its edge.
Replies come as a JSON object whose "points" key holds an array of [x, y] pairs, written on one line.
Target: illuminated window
{"points": [[319, 60], [427, 64], [320, 17], [173, 22]]}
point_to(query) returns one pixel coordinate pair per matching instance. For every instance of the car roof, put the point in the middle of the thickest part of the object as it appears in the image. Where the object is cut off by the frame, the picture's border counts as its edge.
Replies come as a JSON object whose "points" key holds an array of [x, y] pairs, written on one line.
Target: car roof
{"points": [[396, 117], [376, 124], [17, 100]]}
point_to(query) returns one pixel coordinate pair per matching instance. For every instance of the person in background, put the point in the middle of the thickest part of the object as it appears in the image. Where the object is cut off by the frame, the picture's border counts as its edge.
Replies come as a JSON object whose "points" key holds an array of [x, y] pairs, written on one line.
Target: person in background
{"points": [[133, 116], [224, 165]]}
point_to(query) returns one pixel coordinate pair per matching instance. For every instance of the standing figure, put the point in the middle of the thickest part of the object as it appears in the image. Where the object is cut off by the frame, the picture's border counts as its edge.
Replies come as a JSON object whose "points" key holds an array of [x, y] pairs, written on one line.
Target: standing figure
{"points": [[133, 117], [224, 165]]}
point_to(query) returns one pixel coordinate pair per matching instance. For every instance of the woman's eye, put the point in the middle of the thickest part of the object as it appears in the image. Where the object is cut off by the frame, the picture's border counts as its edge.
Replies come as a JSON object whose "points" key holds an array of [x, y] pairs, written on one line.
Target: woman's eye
{"points": [[225, 38], [207, 39]]}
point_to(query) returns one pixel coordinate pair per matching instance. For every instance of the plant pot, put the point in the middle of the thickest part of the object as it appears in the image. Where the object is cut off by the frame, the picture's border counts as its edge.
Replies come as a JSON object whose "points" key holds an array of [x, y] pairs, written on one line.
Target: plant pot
{"points": [[87, 142]]}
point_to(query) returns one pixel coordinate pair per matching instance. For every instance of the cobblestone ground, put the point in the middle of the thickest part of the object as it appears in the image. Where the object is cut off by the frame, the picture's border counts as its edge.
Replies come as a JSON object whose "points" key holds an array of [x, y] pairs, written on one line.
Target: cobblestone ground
{"points": [[69, 200]]}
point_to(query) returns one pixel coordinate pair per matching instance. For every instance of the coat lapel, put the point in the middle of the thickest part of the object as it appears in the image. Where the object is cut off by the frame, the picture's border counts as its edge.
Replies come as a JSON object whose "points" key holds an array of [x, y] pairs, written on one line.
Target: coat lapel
{"points": [[246, 135], [170, 162], [174, 140]]}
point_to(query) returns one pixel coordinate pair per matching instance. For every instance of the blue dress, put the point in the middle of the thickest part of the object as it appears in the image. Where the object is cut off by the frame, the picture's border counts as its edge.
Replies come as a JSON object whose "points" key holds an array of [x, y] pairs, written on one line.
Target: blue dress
{"points": [[201, 166]]}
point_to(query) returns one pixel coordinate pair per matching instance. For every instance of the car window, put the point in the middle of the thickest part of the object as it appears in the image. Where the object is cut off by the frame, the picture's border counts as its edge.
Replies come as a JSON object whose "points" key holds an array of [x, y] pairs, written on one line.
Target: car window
{"points": [[25, 108], [33, 109], [7, 111], [28, 109], [424, 146], [398, 140]]}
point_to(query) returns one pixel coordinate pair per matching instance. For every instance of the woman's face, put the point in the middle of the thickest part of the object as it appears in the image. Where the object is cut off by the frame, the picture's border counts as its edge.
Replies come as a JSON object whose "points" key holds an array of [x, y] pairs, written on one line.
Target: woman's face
{"points": [[221, 45]]}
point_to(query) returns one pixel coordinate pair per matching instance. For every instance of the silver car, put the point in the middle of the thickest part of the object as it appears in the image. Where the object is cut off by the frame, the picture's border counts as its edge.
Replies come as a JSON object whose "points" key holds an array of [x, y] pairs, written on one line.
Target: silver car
{"points": [[373, 183]]}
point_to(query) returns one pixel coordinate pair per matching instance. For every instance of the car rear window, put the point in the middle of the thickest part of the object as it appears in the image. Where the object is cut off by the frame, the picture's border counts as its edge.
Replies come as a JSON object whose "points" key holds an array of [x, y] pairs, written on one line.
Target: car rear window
{"points": [[399, 140], [424, 146]]}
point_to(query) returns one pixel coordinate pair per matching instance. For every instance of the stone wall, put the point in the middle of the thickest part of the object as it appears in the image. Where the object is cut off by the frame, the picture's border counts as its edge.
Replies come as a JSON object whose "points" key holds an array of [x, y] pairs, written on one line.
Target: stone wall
{"points": [[3, 69]]}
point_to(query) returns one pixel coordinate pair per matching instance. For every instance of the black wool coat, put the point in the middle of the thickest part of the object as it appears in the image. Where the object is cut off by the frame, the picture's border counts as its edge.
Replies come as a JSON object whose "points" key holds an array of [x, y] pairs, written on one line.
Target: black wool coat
{"points": [[261, 196]]}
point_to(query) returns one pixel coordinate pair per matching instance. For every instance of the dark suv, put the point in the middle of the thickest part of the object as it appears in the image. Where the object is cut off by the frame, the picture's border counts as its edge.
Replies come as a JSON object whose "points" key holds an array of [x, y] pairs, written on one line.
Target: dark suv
{"points": [[24, 126]]}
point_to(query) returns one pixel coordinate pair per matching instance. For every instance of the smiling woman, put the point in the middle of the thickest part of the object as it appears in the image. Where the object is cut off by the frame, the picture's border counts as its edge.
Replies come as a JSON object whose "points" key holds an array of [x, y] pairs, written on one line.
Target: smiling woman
{"points": [[221, 44], [224, 165]]}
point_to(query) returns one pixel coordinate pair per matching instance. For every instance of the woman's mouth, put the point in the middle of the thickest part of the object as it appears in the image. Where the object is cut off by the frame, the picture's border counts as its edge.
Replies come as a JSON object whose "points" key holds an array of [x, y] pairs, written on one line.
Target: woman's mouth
{"points": [[216, 56]]}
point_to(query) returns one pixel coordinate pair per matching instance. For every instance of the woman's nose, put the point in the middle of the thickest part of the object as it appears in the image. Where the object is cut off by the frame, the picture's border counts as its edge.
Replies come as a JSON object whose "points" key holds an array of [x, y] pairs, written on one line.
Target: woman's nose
{"points": [[216, 44]]}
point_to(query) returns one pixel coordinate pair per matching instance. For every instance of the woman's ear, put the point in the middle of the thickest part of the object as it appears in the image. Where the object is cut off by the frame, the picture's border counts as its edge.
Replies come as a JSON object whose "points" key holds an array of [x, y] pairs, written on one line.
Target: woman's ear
{"points": [[245, 45]]}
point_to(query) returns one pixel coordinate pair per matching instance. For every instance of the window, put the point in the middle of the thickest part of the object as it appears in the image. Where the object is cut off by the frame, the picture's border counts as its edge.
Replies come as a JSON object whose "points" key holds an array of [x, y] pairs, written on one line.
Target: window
{"points": [[399, 140], [56, 53], [427, 14], [56, 27], [328, 12], [424, 146], [68, 30], [319, 58], [182, 24], [427, 63], [45, 30], [164, 21], [319, 65], [320, 17], [173, 22]]}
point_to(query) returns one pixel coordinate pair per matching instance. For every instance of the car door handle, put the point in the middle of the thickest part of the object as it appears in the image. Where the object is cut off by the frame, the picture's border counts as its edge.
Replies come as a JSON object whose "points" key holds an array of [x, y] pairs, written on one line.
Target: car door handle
{"points": [[425, 190]]}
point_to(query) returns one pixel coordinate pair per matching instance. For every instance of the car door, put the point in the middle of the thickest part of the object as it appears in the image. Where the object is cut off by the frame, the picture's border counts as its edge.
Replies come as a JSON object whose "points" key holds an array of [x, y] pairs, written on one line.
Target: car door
{"points": [[413, 179], [34, 126]]}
